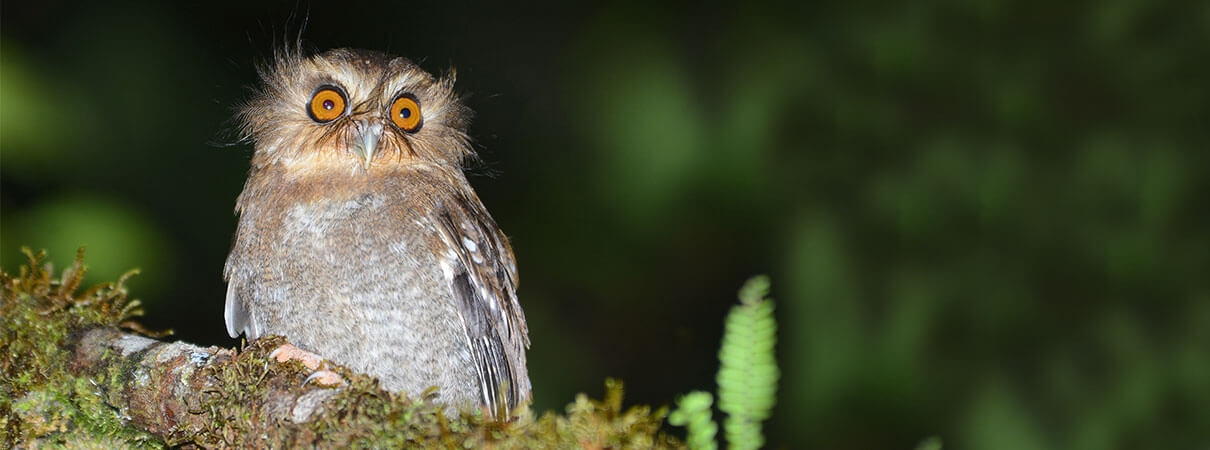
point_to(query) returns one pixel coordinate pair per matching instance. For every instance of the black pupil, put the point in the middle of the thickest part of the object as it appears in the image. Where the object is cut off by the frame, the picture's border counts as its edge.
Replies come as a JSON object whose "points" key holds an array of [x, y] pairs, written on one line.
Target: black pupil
{"points": [[328, 105], [405, 113]]}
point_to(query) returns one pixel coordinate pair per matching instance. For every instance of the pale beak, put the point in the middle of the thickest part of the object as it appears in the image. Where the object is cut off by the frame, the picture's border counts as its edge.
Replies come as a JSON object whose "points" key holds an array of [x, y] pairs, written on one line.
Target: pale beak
{"points": [[366, 134]]}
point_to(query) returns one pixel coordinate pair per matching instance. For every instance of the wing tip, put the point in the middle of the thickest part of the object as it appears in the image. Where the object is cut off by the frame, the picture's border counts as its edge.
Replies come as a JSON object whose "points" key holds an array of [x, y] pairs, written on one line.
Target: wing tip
{"points": [[235, 315]]}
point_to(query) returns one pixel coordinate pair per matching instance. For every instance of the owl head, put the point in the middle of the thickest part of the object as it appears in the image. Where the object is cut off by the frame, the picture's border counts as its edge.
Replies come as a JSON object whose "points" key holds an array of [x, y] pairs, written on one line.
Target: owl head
{"points": [[353, 110]]}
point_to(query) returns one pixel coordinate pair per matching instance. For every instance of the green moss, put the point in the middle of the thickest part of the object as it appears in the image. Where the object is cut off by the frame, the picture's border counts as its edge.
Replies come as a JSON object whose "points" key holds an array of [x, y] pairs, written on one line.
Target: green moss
{"points": [[365, 415], [40, 401]]}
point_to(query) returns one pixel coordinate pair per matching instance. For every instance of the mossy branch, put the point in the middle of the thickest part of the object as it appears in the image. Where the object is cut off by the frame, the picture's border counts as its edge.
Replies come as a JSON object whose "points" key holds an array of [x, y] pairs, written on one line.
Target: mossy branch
{"points": [[71, 376]]}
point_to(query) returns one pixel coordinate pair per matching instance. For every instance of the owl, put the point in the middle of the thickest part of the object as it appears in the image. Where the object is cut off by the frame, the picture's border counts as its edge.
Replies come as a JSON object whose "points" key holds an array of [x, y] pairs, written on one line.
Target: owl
{"points": [[360, 239]]}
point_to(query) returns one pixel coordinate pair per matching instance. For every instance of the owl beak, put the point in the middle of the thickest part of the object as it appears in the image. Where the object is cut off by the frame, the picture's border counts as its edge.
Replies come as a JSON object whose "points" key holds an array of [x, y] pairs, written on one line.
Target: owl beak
{"points": [[366, 135]]}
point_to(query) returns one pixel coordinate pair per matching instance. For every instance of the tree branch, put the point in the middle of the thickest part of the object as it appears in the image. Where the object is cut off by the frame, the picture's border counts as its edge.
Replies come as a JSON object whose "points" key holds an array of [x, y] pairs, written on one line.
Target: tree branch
{"points": [[165, 388]]}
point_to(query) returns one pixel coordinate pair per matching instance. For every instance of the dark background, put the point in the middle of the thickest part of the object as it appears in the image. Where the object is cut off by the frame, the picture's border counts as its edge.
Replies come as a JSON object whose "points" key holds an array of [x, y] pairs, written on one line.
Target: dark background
{"points": [[985, 221]]}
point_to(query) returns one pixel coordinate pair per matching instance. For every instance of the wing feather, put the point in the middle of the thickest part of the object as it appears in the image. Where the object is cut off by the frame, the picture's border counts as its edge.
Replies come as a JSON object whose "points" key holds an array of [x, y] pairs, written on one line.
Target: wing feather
{"points": [[484, 282]]}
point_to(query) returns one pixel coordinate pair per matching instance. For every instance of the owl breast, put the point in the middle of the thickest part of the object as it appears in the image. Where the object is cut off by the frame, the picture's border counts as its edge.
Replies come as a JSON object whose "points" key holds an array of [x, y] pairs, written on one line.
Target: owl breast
{"points": [[354, 278]]}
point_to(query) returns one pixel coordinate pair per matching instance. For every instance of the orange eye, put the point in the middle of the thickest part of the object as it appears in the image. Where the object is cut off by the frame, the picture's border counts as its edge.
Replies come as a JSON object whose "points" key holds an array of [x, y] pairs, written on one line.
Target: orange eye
{"points": [[405, 112], [327, 104]]}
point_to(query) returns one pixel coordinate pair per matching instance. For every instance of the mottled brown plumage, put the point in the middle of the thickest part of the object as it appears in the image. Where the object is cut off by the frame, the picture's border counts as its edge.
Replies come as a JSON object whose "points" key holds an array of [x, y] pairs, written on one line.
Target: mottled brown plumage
{"points": [[360, 239]]}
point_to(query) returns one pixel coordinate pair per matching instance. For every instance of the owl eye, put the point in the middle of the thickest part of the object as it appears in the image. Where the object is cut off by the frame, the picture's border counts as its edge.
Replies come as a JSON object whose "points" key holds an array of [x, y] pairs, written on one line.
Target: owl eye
{"points": [[405, 113], [327, 104]]}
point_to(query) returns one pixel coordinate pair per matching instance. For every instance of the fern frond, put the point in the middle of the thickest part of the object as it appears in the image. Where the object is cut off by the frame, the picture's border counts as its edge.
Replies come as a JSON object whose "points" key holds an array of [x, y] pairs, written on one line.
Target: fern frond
{"points": [[693, 412], [747, 378]]}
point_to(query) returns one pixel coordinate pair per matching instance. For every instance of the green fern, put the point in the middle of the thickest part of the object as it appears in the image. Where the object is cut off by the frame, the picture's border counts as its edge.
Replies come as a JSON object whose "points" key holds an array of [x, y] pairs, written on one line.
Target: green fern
{"points": [[693, 412], [747, 376], [747, 379]]}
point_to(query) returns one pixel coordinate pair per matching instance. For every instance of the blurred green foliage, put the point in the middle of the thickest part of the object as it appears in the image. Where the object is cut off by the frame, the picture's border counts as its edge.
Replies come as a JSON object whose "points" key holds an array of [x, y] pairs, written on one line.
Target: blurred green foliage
{"points": [[120, 235], [987, 219]]}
